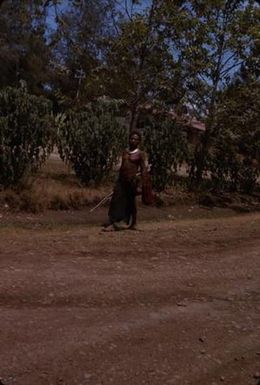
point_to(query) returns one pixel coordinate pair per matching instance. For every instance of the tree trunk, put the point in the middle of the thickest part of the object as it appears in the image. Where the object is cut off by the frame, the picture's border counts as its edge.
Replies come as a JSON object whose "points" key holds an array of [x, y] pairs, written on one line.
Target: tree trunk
{"points": [[133, 120]]}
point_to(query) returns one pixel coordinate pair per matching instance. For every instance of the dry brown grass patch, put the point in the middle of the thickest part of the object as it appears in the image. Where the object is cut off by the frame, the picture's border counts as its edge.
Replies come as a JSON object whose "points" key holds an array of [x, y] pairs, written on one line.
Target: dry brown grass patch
{"points": [[55, 187]]}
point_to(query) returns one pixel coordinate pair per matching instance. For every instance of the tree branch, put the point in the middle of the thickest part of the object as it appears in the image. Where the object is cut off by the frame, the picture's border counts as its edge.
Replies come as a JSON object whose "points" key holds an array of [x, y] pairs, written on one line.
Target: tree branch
{"points": [[228, 59], [127, 12], [114, 22], [225, 71]]}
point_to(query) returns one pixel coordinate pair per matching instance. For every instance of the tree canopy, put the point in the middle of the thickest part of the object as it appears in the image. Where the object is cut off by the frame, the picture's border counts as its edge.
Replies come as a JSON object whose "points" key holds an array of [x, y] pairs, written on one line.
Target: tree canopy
{"points": [[158, 54]]}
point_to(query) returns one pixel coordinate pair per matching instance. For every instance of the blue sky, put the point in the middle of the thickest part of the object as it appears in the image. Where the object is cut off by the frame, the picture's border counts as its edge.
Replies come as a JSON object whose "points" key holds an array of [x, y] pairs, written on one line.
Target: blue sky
{"points": [[65, 4], [52, 15]]}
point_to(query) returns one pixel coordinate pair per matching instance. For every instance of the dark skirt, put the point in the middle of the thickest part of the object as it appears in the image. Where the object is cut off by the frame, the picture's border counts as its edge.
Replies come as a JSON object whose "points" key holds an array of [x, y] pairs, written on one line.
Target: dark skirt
{"points": [[123, 203]]}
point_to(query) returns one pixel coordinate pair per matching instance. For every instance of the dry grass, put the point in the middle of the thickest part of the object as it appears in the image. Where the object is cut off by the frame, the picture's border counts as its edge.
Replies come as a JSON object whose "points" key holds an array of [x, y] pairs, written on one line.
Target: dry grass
{"points": [[54, 187]]}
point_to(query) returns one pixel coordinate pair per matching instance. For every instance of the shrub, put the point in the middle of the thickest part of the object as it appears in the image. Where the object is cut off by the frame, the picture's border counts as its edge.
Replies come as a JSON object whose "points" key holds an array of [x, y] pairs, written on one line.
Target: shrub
{"points": [[25, 134], [91, 139], [166, 144], [234, 157]]}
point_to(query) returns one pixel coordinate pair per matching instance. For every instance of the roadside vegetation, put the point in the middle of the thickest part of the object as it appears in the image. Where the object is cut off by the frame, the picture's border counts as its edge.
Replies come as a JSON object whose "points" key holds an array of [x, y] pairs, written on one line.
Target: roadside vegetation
{"points": [[78, 84]]}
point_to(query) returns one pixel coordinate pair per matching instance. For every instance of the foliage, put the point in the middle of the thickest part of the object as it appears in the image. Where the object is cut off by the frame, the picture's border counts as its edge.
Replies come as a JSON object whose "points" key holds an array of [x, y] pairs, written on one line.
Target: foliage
{"points": [[212, 40], [146, 71], [90, 139], [235, 158], [78, 48], [24, 51], [229, 169], [166, 144], [25, 133], [158, 54]]}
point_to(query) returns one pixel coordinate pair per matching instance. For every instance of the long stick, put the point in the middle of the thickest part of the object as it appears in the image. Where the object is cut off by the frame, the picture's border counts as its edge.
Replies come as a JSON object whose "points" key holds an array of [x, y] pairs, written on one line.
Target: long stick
{"points": [[102, 201]]}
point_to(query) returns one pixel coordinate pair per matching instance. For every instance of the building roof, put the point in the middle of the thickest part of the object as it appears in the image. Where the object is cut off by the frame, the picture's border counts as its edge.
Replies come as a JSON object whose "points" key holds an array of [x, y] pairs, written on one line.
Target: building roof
{"points": [[188, 120]]}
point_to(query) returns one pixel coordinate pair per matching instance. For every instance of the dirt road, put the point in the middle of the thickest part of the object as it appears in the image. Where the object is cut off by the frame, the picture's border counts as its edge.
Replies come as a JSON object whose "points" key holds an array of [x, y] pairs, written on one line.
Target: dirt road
{"points": [[174, 304]]}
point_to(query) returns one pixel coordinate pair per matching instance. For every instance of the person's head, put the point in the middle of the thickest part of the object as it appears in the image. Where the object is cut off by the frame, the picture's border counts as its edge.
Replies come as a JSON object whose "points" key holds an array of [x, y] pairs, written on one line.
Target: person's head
{"points": [[134, 140]]}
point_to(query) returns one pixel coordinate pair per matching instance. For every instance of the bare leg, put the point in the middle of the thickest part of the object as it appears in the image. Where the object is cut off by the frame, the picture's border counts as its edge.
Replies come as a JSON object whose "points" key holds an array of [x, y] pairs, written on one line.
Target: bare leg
{"points": [[111, 227]]}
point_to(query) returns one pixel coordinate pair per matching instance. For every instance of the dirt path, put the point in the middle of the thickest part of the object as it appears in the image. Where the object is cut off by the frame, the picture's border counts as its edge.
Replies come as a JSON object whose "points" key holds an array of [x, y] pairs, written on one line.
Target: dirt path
{"points": [[176, 303]]}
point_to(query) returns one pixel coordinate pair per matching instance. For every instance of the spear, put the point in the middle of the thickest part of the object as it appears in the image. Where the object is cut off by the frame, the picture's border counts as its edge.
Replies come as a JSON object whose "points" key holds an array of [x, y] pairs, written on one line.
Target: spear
{"points": [[103, 200]]}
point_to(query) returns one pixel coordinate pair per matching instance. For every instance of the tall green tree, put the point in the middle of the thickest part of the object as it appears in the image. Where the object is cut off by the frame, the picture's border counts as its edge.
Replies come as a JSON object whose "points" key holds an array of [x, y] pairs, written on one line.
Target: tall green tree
{"points": [[77, 48], [140, 67], [24, 52], [212, 41]]}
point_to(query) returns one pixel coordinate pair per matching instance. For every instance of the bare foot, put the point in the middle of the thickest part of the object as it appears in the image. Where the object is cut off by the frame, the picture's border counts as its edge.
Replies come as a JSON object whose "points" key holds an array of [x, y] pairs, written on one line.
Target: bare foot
{"points": [[109, 228], [134, 228]]}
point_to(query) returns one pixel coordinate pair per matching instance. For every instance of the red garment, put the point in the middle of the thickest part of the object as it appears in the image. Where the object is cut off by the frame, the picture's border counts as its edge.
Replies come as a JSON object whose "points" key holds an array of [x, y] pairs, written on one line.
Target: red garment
{"points": [[147, 192]]}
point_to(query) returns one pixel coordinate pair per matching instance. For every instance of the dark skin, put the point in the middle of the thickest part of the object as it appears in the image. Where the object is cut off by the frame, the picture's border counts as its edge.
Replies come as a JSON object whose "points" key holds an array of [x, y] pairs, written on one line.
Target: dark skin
{"points": [[131, 164], [134, 142], [132, 161]]}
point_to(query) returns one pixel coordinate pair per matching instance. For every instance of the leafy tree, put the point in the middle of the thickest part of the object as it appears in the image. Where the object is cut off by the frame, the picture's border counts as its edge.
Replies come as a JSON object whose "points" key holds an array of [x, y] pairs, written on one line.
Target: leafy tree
{"points": [[235, 158], [24, 52], [212, 40], [77, 49], [26, 131], [139, 66]]}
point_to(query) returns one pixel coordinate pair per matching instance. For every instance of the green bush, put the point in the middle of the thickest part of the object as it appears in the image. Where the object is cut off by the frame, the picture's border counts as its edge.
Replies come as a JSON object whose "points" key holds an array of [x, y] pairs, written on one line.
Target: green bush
{"points": [[230, 167], [235, 150], [91, 139], [166, 144], [25, 134]]}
